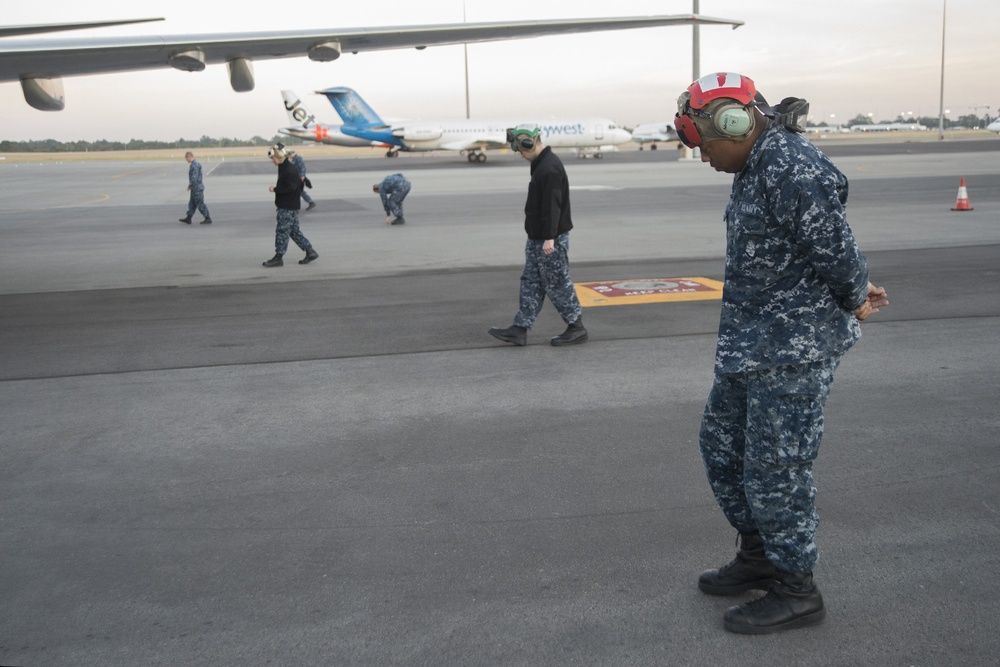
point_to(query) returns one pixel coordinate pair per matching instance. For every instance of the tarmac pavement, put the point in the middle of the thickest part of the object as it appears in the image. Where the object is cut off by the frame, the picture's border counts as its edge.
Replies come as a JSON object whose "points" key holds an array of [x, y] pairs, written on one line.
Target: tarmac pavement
{"points": [[204, 461]]}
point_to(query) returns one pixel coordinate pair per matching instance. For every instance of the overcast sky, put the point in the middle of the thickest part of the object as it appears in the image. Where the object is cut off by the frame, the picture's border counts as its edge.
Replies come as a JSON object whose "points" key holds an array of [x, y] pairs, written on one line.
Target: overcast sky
{"points": [[847, 58]]}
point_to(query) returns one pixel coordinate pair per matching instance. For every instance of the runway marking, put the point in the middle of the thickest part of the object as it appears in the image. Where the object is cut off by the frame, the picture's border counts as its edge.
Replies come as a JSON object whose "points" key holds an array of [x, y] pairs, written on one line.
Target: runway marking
{"points": [[135, 172], [647, 290], [100, 199]]}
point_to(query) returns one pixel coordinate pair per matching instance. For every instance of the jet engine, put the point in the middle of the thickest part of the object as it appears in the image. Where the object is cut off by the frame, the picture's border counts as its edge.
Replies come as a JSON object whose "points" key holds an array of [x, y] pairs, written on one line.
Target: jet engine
{"points": [[417, 133]]}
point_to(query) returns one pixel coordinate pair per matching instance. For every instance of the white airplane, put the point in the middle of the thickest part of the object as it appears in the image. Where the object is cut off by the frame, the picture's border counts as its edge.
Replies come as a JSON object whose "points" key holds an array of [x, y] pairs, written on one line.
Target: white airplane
{"points": [[590, 136], [994, 126], [40, 64], [653, 132], [304, 126], [889, 127]]}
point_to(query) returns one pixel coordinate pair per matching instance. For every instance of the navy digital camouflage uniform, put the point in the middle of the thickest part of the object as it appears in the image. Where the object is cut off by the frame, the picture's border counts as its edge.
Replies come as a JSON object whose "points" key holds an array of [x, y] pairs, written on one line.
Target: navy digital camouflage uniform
{"points": [[300, 164], [547, 215], [197, 187], [794, 276], [547, 275], [393, 190]]}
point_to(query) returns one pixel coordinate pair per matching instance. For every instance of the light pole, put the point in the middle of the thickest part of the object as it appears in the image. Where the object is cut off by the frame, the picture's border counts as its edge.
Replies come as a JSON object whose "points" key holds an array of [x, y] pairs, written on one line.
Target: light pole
{"points": [[944, 17], [694, 153]]}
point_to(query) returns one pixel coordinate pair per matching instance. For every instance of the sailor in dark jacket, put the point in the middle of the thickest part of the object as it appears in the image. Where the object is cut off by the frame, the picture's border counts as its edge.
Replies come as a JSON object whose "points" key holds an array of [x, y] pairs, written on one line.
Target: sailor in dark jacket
{"points": [[287, 198], [547, 222]]}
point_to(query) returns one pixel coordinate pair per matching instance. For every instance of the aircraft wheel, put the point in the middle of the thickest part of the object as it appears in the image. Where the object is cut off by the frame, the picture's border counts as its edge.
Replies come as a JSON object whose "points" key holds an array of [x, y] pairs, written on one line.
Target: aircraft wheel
{"points": [[471, 157], [653, 147], [481, 157], [598, 156]]}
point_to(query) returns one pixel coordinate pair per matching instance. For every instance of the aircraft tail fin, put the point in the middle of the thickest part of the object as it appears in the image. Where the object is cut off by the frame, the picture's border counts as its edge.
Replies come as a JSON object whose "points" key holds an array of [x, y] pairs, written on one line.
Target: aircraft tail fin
{"points": [[297, 112], [351, 107]]}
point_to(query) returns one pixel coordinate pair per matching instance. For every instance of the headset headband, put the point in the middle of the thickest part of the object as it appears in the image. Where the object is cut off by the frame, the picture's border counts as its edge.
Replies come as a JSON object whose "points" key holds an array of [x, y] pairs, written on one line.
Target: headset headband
{"points": [[528, 133]]}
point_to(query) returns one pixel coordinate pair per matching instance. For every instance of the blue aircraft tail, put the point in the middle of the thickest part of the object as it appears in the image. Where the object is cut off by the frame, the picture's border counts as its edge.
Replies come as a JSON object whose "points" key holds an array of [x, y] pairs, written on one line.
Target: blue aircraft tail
{"points": [[351, 108]]}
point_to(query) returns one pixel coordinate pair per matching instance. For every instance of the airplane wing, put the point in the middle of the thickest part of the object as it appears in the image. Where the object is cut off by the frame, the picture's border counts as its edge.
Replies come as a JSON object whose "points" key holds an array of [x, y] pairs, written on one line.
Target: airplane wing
{"points": [[39, 63]]}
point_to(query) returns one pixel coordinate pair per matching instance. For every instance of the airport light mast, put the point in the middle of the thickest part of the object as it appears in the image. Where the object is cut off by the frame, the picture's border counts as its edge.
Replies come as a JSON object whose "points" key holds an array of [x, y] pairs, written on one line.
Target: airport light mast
{"points": [[944, 17], [694, 153]]}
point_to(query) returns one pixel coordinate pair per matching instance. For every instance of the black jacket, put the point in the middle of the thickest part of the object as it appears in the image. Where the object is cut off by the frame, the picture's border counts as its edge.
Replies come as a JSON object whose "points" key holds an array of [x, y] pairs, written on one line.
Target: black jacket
{"points": [[546, 212], [288, 189]]}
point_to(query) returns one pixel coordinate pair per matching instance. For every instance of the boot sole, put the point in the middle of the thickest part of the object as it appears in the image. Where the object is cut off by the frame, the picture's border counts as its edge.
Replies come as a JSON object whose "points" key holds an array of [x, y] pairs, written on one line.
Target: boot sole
{"points": [[576, 341], [799, 622], [759, 585], [519, 343]]}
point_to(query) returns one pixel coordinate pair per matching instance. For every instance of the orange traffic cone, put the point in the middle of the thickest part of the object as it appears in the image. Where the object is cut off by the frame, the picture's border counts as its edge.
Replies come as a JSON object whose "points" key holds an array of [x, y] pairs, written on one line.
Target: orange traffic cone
{"points": [[962, 203]]}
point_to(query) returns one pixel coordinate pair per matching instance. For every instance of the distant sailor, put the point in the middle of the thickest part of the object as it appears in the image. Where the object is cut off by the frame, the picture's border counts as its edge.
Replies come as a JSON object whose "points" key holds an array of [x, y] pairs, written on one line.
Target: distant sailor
{"points": [[197, 188], [393, 190], [300, 164]]}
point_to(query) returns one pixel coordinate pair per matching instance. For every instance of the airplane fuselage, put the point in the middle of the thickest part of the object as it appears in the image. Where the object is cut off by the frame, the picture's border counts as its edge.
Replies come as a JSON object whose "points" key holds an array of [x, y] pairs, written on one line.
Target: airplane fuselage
{"points": [[327, 134], [481, 134]]}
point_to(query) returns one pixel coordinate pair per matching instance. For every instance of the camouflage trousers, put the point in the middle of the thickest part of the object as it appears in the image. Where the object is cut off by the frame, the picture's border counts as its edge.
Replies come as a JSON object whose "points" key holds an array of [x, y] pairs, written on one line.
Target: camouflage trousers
{"points": [[759, 437], [197, 202], [394, 200], [288, 227], [547, 275]]}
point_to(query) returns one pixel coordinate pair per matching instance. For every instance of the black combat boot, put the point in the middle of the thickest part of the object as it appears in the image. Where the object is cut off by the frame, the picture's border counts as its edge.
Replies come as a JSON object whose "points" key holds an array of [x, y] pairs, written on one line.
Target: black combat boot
{"points": [[793, 602], [749, 570], [512, 334], [186, 221], [310, 256], [275, 261], [574, 334], [206, 221]]}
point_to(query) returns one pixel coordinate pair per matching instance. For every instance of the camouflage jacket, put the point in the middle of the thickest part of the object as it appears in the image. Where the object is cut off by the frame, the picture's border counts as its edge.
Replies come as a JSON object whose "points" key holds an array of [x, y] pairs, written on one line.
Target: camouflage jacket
{"points": [[194, 177], [794, 273], [389, 190]]}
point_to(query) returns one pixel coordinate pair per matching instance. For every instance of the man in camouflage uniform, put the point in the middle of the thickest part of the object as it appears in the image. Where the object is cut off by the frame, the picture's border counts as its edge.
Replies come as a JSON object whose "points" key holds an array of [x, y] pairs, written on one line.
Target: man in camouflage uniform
{"points": [[547, 222], [796, 288], [300, 164], [197, 188], [393, 190], [287, 201]]}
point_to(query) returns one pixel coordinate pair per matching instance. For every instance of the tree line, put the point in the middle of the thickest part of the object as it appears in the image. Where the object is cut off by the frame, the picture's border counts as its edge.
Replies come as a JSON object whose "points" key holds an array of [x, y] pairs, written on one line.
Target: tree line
{"points": [[970, 121], [53, 146]]}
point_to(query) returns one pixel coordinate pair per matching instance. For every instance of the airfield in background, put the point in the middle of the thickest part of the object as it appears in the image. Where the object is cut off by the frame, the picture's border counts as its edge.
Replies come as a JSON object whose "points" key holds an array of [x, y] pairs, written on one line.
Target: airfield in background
{"points": [[205, 461]]}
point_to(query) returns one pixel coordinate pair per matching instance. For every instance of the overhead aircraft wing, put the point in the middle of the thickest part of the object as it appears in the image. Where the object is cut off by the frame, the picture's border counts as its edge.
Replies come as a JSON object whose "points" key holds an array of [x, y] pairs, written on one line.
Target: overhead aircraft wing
{"points": [[39, 63]]}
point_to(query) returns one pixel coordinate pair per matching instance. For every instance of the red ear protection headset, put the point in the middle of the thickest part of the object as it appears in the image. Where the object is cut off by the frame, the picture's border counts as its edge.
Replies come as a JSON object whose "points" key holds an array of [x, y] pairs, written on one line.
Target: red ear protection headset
{"points": [[733, 119]]}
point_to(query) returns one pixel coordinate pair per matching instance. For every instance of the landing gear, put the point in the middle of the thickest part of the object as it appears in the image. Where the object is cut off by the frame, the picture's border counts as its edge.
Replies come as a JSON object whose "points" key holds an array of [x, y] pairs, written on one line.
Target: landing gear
{"points": [[392, 152], [474, 156]]}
